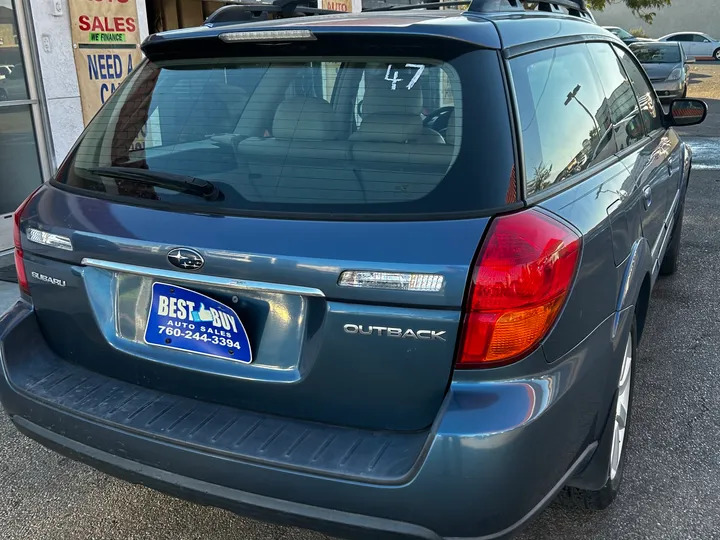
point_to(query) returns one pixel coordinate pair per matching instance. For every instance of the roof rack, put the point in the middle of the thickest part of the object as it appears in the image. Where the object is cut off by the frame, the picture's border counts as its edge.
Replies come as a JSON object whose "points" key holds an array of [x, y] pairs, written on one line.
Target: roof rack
{"points": [[249, 11], [424, 5], [576, 8]]}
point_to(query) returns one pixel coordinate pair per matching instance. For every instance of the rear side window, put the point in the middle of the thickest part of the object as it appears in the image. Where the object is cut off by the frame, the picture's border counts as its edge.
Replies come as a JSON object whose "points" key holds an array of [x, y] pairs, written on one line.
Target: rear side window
{"points": [[624, 110], [649, 108], [565, 119], [394, 135]]}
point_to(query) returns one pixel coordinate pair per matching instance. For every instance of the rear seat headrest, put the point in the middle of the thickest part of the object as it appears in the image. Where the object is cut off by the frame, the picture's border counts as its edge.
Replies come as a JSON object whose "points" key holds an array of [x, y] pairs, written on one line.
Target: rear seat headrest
{"points": [[380, 98], [306, 118]]}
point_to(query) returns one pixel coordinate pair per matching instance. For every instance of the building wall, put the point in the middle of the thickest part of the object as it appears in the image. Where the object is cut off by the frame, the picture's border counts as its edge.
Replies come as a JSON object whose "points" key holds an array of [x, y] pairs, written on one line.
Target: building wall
{"points": [[681, 15], [51, 21]]}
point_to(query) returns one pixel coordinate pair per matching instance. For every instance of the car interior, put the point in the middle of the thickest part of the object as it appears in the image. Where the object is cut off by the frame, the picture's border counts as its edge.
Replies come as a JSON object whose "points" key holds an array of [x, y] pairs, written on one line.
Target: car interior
{"points": [[287, 131]]}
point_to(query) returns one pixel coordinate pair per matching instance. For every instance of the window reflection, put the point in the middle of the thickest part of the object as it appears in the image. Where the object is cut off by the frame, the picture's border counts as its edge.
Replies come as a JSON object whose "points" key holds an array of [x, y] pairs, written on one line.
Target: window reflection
{"points": [[649, 108], [19, 165], [12, 72], [565, 117], [624, 109]]}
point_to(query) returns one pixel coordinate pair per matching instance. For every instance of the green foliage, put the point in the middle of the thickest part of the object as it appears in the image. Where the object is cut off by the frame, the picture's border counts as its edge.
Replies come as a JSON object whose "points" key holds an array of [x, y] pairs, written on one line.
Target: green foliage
{"points": [[640, 8], [638, 32]]}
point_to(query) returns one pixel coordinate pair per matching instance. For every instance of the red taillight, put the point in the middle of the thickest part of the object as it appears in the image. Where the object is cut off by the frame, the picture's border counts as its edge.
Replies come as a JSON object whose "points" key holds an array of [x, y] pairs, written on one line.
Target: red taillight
{"points": [[524, 271], [19, 262]]}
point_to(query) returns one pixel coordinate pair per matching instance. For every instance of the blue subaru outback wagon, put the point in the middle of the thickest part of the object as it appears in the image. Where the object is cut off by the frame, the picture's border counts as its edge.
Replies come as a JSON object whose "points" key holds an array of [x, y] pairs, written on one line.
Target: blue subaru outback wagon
{"points": [[381, 275]]}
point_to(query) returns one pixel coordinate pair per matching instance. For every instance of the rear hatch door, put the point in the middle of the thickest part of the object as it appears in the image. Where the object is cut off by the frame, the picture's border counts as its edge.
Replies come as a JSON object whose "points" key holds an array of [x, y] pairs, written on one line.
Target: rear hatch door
{"points": [[216, 209]]}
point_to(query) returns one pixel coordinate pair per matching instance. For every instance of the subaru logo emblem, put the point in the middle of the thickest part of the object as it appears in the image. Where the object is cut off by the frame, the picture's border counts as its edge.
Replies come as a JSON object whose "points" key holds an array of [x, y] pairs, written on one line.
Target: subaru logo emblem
{"points": [[185, 258]]}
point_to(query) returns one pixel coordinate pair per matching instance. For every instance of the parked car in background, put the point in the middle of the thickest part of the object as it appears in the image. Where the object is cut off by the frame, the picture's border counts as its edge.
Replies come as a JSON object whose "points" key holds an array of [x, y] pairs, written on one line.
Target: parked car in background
{"points": [[696, 44], [374, 321], [5, 70], [12, 86], [667, 67], [626, 36]]}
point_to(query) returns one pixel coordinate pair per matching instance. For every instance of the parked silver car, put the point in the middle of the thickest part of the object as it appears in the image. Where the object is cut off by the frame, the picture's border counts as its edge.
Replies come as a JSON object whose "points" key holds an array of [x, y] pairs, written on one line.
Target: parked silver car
{"points": [[696, 44], [626, 36], [666, 66]]}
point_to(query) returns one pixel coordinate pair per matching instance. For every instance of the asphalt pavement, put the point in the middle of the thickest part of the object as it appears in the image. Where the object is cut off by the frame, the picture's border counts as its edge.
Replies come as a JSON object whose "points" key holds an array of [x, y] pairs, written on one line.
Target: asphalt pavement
{"points": [[671, 485]]}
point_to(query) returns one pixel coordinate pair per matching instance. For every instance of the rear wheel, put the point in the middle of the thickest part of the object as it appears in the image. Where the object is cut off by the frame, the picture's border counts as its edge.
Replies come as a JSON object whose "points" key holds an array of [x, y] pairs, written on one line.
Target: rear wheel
{"points": [[716, 54], [602, 498]]}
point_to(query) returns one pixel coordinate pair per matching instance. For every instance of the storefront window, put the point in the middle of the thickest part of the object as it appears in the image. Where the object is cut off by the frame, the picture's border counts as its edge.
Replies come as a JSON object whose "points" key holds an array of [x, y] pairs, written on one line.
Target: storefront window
{"points": [[20, 170], [19, 165], [13, 85]]}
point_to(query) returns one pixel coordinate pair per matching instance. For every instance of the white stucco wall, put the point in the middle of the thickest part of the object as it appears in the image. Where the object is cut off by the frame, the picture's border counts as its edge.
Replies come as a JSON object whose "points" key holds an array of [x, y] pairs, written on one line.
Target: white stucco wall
{"points": [[682, 15], [57, 68]]}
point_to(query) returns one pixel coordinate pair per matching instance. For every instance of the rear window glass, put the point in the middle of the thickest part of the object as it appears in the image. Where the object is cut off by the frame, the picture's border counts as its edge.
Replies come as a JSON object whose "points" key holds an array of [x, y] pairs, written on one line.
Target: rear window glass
{"points": [[329, 136]]}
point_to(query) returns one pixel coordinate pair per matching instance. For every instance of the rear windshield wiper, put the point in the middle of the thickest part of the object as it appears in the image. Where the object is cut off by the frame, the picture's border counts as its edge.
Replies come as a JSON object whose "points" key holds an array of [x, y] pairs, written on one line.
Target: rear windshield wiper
{"points": [[177, 182]]}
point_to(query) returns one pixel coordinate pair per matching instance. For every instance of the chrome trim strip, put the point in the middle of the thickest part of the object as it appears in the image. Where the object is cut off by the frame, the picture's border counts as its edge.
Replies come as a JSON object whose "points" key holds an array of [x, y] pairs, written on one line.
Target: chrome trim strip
{"points": [[199, 279], [665, 237], [41, 118], [661, 243]]}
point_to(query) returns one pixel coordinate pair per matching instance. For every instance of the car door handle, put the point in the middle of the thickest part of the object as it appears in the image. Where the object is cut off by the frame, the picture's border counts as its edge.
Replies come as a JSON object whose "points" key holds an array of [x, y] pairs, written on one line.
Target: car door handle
{"points": [[647, 197]]}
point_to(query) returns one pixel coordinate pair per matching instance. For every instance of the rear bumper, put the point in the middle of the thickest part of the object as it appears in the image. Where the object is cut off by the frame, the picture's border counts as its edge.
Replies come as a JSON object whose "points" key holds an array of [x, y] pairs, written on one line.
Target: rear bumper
{"points": [[495, 457]]}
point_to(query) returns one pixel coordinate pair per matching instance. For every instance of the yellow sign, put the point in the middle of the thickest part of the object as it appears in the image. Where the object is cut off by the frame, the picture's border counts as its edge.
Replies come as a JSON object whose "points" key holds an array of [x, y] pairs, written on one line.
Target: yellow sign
{"points": [[100, 71], [346, 6], [106, 42], [338, 5]]}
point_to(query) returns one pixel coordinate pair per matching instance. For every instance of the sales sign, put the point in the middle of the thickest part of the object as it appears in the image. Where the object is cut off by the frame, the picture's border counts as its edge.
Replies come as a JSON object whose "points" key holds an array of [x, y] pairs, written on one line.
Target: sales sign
{"points": [[106, 43]]}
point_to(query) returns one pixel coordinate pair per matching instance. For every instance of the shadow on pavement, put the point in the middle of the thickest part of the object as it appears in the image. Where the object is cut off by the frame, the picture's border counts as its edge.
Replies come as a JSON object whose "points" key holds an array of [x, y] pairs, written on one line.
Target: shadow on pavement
{"points": [[695, 78]]}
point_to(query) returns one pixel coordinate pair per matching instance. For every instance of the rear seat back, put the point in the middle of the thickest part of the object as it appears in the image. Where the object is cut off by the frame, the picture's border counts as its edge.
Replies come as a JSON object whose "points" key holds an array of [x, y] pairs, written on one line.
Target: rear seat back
{"points": [[397, 158], [303, 160], [392, 157], [393, 115], [395, 172]]}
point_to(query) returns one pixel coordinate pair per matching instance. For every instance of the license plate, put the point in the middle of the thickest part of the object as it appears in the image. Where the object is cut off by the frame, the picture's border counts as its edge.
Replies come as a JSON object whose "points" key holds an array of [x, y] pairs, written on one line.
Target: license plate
{"points": [[186, 320]]}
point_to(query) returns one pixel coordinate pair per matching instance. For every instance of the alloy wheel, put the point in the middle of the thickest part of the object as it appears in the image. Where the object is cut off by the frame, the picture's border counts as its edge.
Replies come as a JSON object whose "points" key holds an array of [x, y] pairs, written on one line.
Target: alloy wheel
{"points": [[621, 410]]}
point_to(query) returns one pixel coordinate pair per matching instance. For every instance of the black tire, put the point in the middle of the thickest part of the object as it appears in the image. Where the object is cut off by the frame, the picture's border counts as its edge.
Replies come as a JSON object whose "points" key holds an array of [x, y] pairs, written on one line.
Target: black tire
{"points": [[585, 499], [685, 92], [3, 95], [672, 255], [716, 54]]}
